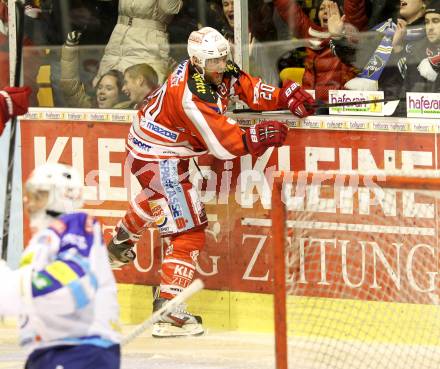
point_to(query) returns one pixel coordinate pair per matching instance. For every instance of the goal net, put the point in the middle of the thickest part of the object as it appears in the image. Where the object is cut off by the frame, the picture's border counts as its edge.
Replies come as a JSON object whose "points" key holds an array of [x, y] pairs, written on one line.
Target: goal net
{"points": [[356, 270]]}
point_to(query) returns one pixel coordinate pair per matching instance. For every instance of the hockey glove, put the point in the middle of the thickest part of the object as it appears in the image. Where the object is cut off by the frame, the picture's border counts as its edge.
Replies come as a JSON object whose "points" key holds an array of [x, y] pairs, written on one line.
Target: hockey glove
{"points": [[263, 135], [296, 99], [73, 38], [13, 101], [429, 68]]}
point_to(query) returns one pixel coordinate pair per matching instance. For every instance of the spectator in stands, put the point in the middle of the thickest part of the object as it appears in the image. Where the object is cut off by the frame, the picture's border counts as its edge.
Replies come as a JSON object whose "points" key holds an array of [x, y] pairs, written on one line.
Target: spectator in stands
{"points": [[382, 50], [365, 15], [139, 81], [53, 19], [193, 15], [323, 70], [424, 56], [227, 20], [261, 25], [261, 30], [291, 65], [108, 89], [184, 22], [140, 36]]}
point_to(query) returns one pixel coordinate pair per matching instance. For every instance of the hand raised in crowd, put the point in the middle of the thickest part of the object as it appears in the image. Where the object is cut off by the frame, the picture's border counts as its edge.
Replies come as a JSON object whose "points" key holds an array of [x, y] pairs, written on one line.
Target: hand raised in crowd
{"points": [[399, 36], [263, 135], [73, 38], [335, 23], [296, 99]]}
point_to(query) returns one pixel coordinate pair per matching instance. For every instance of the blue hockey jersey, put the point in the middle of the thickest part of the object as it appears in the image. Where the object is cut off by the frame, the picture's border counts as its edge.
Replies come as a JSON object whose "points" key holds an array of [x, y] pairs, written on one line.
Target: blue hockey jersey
{"points": [[64, 291]]}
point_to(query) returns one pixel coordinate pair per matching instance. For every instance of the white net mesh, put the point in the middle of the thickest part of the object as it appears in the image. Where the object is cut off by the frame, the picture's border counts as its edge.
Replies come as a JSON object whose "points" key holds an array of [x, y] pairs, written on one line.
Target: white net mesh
{"points": [[362, 274]]}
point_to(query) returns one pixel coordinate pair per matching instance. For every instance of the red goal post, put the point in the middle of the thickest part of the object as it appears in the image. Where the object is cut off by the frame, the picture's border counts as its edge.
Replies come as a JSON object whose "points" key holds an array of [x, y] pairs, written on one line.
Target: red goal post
{"points": [[356, 269]]}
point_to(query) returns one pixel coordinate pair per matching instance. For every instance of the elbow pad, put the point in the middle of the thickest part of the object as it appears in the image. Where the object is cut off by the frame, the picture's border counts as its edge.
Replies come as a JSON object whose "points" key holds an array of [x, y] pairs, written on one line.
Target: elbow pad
{"points": [[63, 287]]}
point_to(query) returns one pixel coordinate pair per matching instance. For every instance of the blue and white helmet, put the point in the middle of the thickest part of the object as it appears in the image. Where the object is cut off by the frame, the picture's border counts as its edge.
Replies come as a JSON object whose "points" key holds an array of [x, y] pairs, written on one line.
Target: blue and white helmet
{"points": [[63, 184]]}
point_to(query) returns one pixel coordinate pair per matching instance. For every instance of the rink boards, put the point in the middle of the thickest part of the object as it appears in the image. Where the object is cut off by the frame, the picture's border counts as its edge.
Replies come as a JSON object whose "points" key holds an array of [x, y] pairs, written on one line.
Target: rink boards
{"points": [[371, 321]]}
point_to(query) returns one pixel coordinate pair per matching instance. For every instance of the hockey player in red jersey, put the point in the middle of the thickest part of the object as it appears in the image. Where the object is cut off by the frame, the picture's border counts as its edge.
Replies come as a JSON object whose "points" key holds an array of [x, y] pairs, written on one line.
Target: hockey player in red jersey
{"points": [[185, 119], [13, 101]]}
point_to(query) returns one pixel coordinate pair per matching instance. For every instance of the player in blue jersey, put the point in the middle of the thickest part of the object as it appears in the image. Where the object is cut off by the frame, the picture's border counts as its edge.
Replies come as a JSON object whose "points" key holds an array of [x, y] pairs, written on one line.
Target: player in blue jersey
{"points": [[64, 290]]}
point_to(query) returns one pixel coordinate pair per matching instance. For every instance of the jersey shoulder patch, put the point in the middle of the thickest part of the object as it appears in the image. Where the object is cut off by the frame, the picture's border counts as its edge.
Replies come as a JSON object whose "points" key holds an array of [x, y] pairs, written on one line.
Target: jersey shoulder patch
{"points": [[198, 86]]}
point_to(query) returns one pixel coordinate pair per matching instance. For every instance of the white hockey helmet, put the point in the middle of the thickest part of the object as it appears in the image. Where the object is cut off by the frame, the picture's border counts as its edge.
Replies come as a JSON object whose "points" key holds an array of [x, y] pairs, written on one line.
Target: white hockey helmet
{"points": [[207, 43], [63, 185]]}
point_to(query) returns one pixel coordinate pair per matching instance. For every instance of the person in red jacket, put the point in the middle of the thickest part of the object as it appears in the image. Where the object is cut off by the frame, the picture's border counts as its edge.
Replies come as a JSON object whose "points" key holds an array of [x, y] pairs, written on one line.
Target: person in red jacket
{"points": [[323, 70], [185, 119], [13, 101]]}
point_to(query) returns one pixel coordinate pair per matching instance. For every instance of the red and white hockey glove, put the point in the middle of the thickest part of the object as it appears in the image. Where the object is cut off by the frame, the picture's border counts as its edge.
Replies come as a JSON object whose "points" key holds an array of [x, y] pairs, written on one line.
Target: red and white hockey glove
{"points": [[13, 101], [263, 135], [296, 99]]}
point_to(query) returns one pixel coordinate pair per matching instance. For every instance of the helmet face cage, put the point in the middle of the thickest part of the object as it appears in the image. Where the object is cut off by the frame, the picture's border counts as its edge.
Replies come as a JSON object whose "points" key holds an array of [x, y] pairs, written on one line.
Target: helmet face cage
{"points": [[207, 49], [63, 185], [216, 65]]}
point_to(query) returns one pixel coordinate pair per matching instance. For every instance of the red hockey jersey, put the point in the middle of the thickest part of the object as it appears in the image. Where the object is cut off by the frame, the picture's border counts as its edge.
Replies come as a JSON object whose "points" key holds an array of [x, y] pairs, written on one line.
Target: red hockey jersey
{"points": [[185, 117]]}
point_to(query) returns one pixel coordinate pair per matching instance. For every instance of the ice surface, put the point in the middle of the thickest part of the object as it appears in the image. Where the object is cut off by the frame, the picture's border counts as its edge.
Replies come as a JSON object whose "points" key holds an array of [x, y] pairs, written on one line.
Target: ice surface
{"points": [[214, 350]]}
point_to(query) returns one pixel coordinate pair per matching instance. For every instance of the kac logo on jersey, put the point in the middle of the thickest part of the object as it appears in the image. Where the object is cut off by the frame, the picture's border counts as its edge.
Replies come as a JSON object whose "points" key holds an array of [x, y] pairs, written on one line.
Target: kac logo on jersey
{"points": [[159, 130]]}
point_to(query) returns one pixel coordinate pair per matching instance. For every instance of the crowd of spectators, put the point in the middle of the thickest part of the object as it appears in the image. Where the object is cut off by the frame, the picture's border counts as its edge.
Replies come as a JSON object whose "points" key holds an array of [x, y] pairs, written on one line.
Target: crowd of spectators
{"points": [[111, 53]]}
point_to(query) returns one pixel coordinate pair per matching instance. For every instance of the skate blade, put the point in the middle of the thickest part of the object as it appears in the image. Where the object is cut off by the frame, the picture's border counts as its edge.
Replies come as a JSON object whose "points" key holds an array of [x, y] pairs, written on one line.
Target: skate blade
{"points": [[116, 264], [163, 330]]}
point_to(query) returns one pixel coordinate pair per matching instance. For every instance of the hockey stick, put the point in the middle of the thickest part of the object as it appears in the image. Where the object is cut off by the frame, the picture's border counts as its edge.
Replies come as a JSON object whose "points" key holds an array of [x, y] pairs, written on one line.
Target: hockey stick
{"points": [[388, 109], [19, 16], [194, 287]]}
